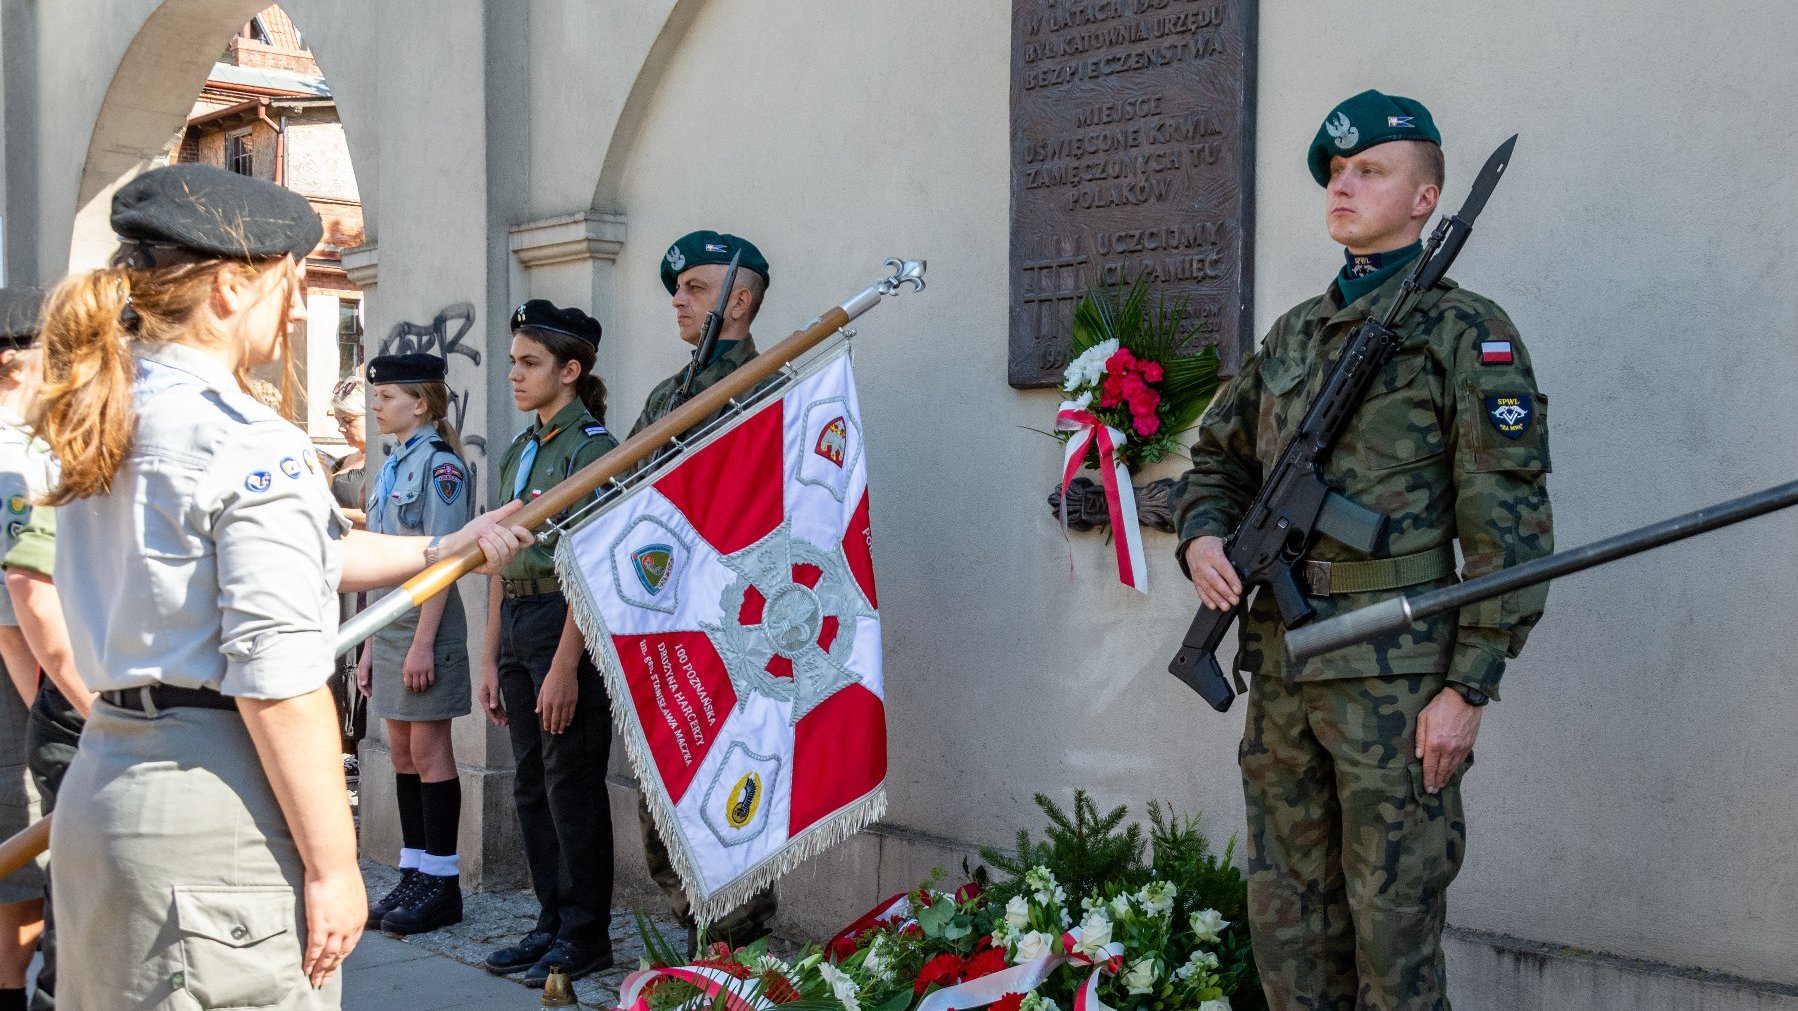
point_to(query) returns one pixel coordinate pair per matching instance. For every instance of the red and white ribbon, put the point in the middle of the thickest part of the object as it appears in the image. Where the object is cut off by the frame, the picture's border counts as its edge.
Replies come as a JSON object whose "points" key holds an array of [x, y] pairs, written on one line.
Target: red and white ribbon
{"points": [[894, 908], [1105, 962], [738, 994], [1120, 498]]}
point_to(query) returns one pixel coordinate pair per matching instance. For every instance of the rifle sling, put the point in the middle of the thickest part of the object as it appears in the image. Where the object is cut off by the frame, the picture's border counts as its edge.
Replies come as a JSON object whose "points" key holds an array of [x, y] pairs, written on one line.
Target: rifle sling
{"points": [[1324, 579]]}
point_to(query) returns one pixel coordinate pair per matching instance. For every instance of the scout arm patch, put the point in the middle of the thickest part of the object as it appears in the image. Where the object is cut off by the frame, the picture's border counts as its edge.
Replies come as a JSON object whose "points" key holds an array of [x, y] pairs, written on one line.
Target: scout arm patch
{"points": [[447, 479]]}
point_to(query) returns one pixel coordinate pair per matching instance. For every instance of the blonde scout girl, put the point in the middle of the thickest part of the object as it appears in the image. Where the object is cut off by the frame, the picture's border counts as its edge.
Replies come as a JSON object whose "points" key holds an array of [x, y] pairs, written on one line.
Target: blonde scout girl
{"points": [[202, 840], [415, 671]]}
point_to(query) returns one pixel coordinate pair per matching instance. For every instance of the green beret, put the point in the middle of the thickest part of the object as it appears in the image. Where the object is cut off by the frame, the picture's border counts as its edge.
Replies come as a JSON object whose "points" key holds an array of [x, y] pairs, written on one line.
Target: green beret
{"points": [[213, 212], [19, 311], [696, 248], [542, 314], [1367, 119], [415, 367]]}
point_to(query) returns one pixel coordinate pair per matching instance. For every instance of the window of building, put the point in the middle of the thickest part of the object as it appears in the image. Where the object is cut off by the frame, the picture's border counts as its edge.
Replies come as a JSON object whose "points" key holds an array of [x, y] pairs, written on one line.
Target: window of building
{"points": [[259, 31], [349, 335], [237, 153]]}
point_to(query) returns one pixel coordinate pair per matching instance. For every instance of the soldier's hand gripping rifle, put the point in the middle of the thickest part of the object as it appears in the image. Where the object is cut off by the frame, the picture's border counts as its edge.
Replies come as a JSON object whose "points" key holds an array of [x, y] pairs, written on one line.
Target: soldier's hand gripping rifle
{"points": [[708, 334], [1295, 504]]}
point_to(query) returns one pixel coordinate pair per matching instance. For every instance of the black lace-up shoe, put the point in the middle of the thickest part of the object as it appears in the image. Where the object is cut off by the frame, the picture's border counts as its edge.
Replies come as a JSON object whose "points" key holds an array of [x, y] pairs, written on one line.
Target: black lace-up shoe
{"points": [[576, 960], [522, 955], [393, 899], [435, 902]]}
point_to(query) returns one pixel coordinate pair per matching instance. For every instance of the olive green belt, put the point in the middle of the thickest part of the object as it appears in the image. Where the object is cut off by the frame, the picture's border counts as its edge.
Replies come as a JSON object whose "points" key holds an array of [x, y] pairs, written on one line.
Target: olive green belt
{"points": [[1324, 579], [514, 588]]}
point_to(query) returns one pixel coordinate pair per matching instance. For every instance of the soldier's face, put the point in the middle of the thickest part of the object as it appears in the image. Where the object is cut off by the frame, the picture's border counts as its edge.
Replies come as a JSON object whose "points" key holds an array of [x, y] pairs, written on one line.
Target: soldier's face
{"points": [[1378, 199], [538, 380], [695, 294]]}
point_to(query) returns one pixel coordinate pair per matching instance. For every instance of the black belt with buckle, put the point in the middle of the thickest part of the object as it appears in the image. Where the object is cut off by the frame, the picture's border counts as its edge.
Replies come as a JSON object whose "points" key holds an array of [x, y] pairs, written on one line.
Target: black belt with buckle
{"points": [[159, 697], [515, 588]]}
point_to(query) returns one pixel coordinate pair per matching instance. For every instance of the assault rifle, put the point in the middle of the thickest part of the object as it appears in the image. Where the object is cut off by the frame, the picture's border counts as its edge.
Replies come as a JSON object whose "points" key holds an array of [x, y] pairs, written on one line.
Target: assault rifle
{"points": [[708, 335], [1294, 505]]}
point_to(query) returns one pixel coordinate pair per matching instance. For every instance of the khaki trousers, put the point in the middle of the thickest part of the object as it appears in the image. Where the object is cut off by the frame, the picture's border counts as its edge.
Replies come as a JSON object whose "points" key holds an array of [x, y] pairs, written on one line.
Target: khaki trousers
{"points": [[178, 884]]}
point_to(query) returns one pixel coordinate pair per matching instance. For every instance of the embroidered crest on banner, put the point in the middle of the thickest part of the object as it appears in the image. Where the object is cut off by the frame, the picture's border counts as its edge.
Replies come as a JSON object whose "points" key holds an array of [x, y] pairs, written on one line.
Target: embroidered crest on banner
{"points": [[809, 630], [836, 446], [1510, 413], [647, 563], [736, 801], [651, 563]]}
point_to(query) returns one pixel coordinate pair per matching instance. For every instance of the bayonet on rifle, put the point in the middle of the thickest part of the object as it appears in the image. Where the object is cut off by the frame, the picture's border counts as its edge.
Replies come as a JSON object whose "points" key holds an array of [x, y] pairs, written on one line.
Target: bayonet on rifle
{"points": [[708, 334]]}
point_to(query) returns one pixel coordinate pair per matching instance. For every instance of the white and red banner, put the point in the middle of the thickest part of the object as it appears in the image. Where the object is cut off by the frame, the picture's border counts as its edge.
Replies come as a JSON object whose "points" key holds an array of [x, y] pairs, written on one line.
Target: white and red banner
{"points": [[731, 604]]}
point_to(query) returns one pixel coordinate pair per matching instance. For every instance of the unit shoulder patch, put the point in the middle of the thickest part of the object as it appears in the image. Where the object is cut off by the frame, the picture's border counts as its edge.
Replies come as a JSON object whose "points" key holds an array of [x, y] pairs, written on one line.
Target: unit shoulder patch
{"points": [[447, 479], [594, 430], [1510, 413]]}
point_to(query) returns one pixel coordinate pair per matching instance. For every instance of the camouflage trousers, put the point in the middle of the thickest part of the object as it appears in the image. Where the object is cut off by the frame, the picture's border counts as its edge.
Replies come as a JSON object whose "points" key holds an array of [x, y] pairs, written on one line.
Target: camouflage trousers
{"points": [[740, 926], [1349, 860]]}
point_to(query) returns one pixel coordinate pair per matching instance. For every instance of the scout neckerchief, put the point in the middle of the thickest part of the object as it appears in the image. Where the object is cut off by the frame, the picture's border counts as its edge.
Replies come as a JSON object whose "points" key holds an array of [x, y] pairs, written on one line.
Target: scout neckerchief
{"points": [[390, 471], [529, 457]]}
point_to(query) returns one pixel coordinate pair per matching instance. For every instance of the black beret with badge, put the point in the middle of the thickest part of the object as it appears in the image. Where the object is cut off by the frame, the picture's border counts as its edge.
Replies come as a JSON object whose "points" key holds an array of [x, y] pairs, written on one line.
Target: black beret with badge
{"points": [[213, 212], [696, 249], [543, 314], [19, 311], [416, 367], [1365, 120]]}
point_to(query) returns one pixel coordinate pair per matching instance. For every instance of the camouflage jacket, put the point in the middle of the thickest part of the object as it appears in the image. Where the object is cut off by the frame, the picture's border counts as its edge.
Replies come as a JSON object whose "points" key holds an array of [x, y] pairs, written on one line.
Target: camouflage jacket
{"points": [[1450, 443], [661, 399]]}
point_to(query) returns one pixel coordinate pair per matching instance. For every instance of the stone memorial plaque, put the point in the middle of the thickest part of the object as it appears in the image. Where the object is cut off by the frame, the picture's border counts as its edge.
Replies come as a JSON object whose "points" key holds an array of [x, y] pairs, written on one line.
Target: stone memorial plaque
{"points": [[1132, 152]]}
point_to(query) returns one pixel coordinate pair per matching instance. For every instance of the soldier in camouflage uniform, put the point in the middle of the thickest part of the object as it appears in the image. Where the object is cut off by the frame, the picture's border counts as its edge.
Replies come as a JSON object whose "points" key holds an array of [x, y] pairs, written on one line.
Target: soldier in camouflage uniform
{"points": [[1352, 762], [693, 269]]}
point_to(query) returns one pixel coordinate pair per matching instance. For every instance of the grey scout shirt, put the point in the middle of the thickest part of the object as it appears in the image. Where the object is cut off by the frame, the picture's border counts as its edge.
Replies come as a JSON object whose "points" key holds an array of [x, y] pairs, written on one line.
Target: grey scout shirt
{"points": [[430, 490], [214, 560]]}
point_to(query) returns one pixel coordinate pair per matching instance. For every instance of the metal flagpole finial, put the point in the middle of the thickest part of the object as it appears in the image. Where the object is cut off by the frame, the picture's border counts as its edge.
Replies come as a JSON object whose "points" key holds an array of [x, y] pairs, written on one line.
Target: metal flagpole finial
{"points": [[904, 272]]}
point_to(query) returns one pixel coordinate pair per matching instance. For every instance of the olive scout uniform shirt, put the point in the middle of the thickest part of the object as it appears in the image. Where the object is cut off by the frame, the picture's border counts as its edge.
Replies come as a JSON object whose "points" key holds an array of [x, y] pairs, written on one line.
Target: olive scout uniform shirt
{"points": [[571, 440], [1451, 443], [25, 473]]}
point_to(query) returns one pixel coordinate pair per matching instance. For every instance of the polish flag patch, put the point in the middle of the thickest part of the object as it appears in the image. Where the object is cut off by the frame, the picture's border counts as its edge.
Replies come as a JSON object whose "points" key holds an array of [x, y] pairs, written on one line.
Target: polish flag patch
{"points": [[1495, 353]]}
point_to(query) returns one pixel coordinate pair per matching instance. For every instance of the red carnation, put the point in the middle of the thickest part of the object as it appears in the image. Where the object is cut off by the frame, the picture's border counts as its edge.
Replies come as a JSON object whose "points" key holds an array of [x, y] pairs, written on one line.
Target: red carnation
{"points": [[912, 930], [1146, 425], [983, 963], [727, 965], [1111, 392], [1152, 371], [942, 970], [1121, 360], [778, 988], [1009, 1002]]}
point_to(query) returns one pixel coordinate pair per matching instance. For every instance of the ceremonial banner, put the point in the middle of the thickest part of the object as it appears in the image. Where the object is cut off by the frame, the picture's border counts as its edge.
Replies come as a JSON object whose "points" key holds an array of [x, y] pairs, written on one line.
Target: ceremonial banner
{"points": [[730, 602]]}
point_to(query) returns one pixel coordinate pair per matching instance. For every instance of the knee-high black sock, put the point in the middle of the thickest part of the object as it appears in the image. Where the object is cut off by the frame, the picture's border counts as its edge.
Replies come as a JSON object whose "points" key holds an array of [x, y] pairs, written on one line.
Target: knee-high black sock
{"points": [[442, 816], [409, 790]]}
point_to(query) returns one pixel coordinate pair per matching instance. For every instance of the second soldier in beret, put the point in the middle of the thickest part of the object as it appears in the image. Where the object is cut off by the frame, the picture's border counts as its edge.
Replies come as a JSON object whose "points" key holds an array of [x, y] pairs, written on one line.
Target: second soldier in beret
{"points": [[537, 678], [1352, 762], [415, 671]]}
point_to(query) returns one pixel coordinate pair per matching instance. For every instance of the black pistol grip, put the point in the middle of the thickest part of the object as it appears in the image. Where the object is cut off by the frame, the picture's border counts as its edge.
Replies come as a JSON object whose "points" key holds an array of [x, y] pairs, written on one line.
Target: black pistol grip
{"points": [[1196, 663], [1295, 610]]}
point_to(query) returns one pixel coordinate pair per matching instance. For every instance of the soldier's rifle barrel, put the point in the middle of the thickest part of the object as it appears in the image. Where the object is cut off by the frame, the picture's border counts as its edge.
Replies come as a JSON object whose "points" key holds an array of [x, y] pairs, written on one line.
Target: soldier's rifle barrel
{"points": [[583, 482], [1390, 617]]}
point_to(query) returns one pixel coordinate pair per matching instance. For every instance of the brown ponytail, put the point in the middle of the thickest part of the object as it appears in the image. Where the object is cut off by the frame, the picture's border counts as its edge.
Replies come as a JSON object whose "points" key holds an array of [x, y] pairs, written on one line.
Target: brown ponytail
{"points": [[86, 414], [589, 387]]}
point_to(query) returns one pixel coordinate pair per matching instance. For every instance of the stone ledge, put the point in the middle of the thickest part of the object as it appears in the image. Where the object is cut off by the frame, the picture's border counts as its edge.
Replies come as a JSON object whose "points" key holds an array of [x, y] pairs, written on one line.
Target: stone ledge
{"points": [[361, 264], [568, 238]]}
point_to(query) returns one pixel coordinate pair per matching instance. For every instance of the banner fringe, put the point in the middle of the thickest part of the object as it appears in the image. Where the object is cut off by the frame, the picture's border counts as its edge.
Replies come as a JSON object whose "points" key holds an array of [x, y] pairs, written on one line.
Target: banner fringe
{"points": [[707, 907]]}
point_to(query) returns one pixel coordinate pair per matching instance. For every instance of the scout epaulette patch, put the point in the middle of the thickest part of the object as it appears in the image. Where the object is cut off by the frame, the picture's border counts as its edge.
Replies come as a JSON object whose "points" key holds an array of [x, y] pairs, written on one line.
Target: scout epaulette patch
{"points": [[1510, 413], [1496, 353], [447, 479], [594, 430]]}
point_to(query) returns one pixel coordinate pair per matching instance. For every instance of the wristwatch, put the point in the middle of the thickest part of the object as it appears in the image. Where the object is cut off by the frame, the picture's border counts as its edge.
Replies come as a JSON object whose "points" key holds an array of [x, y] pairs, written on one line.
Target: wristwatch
{"points": [[435, 548], [1471, 695]]}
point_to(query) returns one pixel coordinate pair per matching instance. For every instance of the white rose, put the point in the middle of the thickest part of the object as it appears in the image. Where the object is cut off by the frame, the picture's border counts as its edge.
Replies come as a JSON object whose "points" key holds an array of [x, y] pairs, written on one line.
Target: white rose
{"points": [[1017, 913], [1141, 977], [1220, 1004], [1120, 906], [1208, 924], [1095, 934], [1032, 946], [1157, 897]]}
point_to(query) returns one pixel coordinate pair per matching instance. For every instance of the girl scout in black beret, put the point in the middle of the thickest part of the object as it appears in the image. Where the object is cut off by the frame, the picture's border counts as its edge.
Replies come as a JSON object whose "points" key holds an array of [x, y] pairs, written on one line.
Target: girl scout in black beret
{"points": [[415, 671], [203, 845]]}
